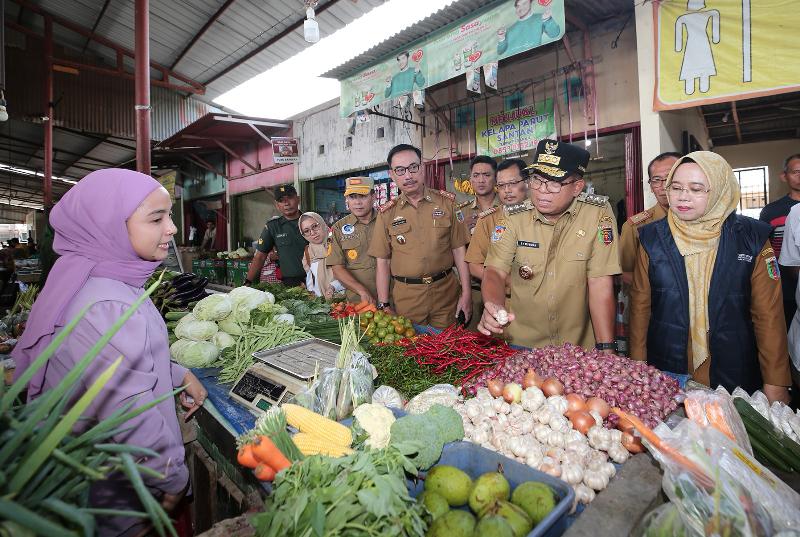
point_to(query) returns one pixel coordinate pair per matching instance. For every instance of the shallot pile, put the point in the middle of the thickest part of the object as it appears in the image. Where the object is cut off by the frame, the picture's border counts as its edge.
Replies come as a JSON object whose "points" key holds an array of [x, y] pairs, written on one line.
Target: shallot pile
{"points": [[631, 385]]}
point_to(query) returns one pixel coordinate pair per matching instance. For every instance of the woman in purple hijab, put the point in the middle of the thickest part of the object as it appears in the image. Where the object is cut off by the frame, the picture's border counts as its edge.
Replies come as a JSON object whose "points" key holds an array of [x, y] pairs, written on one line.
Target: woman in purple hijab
{"points": [[112, 231]]}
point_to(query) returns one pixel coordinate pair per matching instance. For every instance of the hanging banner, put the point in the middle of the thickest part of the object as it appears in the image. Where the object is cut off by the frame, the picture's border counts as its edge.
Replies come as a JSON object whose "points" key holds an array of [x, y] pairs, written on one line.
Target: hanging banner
{"points": [[499, 31], [285, 150], [513, 131], [168, 181], [723, 50]]}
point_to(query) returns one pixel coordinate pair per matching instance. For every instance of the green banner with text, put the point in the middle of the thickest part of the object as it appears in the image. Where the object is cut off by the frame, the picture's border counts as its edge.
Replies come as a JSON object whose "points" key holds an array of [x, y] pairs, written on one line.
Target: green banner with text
{"points": [[513, 131], [502, 30]]}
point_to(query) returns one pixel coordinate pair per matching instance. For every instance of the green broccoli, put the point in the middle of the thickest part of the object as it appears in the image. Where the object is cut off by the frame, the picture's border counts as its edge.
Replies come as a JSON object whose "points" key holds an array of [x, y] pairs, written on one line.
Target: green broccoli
{"points": [[448, 422], [423, 433]]}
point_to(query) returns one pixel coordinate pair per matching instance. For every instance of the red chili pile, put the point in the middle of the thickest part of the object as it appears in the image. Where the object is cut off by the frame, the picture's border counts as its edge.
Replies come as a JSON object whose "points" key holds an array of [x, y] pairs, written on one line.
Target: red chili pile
{"points": [[631, 385], [456, 347]]}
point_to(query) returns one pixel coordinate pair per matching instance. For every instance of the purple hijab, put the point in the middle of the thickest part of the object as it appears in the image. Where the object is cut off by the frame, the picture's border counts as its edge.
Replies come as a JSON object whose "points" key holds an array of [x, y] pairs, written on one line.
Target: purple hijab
{"points": [[91, 236]]}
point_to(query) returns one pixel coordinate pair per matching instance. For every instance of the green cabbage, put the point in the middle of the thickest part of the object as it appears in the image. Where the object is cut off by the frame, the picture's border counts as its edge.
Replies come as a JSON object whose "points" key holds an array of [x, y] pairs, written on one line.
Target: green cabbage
{"points": [[222, 340], [246, 299], [231, 326], [194, 353], [196, 330], [214, 307]]}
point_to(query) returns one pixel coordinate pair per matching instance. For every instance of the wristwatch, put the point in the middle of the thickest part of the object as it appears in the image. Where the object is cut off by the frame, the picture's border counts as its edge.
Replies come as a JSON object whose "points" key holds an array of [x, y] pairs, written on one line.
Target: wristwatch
{"points": [[381, 305], [606, 346]]}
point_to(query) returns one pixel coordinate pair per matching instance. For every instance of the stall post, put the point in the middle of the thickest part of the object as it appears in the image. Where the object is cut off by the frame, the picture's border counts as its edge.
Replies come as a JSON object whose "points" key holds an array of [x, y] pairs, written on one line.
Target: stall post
{"points": [[143, 86]]}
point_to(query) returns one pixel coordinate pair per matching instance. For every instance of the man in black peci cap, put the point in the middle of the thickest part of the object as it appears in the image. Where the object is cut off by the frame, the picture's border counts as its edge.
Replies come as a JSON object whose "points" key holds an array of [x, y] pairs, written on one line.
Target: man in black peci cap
{"points": [[560, 251], [282, 233]]}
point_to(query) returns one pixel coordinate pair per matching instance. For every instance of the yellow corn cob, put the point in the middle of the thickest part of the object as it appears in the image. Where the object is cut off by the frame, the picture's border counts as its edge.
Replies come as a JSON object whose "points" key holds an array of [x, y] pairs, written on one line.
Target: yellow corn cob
{"points": [[308, 444], [310, 422]]}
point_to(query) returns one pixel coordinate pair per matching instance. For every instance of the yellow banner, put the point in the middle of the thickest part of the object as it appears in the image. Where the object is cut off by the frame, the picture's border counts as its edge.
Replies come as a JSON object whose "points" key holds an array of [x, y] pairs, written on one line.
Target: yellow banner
{"points": [[724, 50], [168, 181]]}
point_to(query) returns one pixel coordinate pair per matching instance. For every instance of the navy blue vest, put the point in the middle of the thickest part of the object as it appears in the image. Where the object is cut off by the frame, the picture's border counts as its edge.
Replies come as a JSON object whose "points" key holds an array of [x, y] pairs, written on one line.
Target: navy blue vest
{"points": [[731, 337]]}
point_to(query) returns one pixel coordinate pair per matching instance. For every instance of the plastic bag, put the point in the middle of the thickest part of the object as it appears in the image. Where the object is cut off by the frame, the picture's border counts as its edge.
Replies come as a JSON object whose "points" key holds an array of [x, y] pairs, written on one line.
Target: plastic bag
{"points": [[744, 499], [327, 391], [443, 394], [356, 385], [663, 521], [388, 396], [715, 409]]}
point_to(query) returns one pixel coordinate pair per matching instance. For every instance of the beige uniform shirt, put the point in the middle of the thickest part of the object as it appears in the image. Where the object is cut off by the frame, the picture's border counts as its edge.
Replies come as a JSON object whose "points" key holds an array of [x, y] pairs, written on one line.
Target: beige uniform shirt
{"points": [[468, 213], [550, 263], [490, 227], [348, 247], [629, 236], [419, 240]]}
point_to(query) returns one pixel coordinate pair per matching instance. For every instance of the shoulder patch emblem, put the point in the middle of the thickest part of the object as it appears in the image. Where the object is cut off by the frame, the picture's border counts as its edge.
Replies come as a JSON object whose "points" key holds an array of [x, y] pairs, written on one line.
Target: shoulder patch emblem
{"points": [[386, 206], [767, 251], [519, 208], [446, 194], [640, 217], [487, 212], [593, 199], [772, 268], [463, 204]]}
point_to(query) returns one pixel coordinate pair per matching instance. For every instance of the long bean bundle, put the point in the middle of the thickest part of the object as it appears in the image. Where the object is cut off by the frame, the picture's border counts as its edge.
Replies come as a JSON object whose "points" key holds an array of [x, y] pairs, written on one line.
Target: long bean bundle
{"points": [[235, 360]]}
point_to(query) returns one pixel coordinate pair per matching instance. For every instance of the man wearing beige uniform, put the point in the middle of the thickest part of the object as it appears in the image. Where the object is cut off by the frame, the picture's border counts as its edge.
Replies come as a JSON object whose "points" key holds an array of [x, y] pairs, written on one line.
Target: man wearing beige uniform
{"points": [[417, 241]]}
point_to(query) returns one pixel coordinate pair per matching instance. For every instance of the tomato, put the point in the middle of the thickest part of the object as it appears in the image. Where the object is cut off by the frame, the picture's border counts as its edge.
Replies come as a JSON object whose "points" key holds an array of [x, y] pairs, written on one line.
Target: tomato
{"points": [[409, 333], [368, 315], [381, 332]]}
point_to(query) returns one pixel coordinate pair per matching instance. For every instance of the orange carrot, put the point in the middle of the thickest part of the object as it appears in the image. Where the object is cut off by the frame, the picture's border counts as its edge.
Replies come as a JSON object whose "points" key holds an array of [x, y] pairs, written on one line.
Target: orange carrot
{"points": [[264, 472], [716, 417], [246, 457], [265, 451], [666, 449]]}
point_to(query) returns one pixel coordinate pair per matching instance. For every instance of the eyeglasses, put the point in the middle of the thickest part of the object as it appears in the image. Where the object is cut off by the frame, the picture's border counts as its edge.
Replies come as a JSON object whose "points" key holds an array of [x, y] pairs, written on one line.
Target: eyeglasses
{"points": [[657, 181], [694, 190], [401, 170], [553, 187], [485, 175], [503, 186], [313, 228]]}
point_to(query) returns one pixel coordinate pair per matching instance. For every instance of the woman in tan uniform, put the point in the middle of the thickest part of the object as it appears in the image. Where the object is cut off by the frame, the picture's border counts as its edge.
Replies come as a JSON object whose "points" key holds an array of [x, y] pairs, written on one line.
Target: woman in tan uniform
{"points": [[706, 295]]}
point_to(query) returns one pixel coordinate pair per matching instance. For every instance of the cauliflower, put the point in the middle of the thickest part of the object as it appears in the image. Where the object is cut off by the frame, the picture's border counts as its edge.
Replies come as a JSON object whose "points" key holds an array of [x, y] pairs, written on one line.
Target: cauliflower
{"points": [[214, 307], [377, 421]]}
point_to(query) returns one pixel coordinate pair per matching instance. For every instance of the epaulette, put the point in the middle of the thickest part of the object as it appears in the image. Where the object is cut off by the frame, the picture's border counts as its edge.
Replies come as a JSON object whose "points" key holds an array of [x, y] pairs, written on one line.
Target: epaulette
{"points": [[638, 218], [446, 194], [464, 204], [386, 206], [519, 207], [593, 199], [274, 217], [487, 212]]}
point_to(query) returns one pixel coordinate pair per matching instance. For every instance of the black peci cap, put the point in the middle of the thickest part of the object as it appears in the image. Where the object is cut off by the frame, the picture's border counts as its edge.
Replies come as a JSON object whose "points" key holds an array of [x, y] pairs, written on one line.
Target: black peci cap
{"points": [[556, 160], [284, 191]]}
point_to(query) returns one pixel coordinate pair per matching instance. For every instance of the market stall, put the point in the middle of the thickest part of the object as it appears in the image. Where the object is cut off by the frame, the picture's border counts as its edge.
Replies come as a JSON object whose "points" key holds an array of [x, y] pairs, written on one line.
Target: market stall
{"points": [[325, 415]]}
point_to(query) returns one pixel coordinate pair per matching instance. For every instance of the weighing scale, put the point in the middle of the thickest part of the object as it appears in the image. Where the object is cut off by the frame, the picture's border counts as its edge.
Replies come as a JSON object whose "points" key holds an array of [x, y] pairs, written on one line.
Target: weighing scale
{"points": [[280, 373]]}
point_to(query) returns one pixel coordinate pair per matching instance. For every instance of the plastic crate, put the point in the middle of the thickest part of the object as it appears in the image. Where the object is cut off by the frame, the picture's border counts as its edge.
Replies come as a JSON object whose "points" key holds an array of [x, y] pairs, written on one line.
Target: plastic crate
{"points": [[475, 460]]}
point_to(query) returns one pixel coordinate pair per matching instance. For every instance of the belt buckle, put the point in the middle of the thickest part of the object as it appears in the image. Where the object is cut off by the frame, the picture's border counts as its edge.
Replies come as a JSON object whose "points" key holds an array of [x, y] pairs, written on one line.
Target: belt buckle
{"points": [[427, 280]]}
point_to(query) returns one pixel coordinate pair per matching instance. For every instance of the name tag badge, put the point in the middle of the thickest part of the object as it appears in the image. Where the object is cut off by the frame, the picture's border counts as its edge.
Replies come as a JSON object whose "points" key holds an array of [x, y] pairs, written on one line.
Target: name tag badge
{"points": [[281, 235], [399, 221], [438, 213], [528, 244], [744, 257]]}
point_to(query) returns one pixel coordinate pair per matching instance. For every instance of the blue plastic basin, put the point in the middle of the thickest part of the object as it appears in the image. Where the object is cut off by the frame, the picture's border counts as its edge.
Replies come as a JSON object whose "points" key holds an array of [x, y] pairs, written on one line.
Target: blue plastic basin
{"points": [[475, 460]]}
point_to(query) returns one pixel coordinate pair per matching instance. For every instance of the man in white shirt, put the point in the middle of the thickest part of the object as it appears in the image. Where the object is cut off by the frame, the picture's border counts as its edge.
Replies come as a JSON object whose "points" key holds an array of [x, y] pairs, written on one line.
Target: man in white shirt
{"points": [[790, 257]]}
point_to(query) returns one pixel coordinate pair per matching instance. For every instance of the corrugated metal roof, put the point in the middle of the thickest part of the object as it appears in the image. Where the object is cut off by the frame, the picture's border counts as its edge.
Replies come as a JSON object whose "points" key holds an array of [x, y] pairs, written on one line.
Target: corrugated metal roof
{"points": [[243, 27], [775, 117], [587, 11]]}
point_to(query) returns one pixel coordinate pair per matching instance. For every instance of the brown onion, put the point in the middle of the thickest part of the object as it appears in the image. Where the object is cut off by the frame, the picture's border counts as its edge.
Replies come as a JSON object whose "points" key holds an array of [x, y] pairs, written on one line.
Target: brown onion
{"points": [[582, 421], [495, 387], [632, 443], [531, 379], [552, 386], [512, 393], [599, 406], [575, 402]]}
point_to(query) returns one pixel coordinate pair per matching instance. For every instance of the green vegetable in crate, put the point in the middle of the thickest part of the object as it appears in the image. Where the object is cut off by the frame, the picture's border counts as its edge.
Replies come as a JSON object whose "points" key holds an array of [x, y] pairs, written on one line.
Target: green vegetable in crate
{"points": [[494, 526], [453, 524], [190, 353], [535, 498], [488, 488], [196, 330], [518, 519], [434, 503], [214, 307], [452, 483]]}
